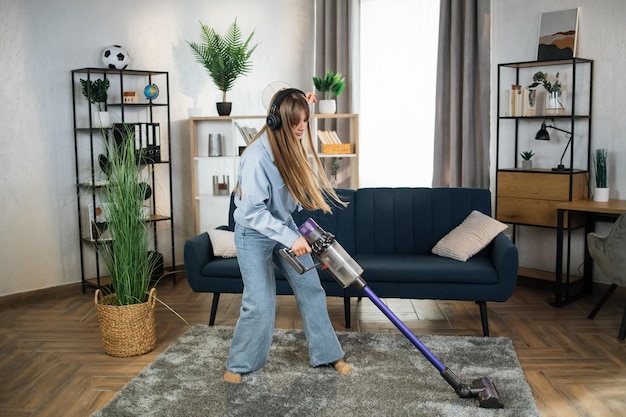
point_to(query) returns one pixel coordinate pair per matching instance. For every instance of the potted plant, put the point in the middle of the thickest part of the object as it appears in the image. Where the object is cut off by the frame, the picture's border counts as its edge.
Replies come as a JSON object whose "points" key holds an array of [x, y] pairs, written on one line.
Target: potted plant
{"points": [[333, 172], [601, 193], [554, 96], [225, 58], [331, 85], [527, 163], [126, 312], [96, 92]]}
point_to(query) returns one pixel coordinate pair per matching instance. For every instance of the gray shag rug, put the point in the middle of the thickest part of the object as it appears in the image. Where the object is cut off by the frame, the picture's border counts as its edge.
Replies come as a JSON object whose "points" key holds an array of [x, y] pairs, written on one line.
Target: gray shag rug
{"points": [[390, 378]]}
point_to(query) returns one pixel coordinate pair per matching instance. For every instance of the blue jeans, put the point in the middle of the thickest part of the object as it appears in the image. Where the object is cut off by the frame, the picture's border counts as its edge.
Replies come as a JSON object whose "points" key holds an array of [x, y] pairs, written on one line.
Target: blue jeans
{"points": [[250, 347]]}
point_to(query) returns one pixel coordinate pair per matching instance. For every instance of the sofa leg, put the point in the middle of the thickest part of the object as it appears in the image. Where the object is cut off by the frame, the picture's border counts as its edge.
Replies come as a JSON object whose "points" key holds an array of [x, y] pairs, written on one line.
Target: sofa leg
{"points": [[483, 317], [346, 311], [216, 300], [622, 327]]}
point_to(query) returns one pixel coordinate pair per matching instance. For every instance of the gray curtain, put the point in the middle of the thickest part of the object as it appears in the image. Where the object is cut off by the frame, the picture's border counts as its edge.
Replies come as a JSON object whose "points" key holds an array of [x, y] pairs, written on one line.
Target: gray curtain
{"points": [[461, 155], [334, 40]]}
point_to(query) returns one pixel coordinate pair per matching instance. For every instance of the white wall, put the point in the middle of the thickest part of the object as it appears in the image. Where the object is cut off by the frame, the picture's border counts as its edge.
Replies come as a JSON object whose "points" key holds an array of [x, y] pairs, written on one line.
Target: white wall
{"points": [[42, 41], [601, 33]]}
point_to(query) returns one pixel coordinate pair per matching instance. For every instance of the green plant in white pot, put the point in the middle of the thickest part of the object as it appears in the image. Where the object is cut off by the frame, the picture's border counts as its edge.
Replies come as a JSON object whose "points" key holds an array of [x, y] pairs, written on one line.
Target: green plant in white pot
{"points": [[601, 192], [225, 58], [527, 162], [126, 313], [331, 85], [555, 97], [96, 92]]}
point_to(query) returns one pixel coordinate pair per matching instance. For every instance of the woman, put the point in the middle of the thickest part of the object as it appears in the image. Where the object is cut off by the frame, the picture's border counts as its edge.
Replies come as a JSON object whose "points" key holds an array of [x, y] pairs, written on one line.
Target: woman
{"points": [[276, 178]]}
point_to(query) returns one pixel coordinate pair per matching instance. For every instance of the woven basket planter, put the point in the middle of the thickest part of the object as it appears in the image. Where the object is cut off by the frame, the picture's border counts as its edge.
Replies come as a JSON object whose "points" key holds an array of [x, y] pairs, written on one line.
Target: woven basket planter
{"points": [[126, 330]]}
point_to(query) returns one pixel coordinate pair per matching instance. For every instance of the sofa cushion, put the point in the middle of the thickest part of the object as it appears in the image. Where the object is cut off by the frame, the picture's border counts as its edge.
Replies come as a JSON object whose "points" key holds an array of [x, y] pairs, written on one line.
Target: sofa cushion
{"points": [[465, 240], [229, 268], [410, 221], [427, 269], [222, 267], [223, 243]]}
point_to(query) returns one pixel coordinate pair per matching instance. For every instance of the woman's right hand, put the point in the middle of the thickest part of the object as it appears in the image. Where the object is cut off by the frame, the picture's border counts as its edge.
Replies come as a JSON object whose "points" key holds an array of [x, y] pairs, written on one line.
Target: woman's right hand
{"points": [[301, 247]]}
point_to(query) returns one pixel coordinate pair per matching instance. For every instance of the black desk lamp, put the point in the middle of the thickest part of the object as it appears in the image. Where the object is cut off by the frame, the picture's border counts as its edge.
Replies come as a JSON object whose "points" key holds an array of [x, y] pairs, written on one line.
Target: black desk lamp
{"points": [[542, 134]]}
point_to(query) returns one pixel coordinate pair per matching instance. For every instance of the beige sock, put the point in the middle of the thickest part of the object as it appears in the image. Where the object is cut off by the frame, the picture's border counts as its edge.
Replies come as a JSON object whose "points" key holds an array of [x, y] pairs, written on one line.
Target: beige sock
{"points": [[342, 367], [232, 377]]}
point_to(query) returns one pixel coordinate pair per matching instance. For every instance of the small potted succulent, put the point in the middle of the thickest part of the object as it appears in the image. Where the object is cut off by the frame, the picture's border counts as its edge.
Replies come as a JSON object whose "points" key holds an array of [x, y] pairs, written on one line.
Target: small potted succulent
{"points": [[331, 85], [527, 162], [554, 95], [96, 92], [333, 173]]}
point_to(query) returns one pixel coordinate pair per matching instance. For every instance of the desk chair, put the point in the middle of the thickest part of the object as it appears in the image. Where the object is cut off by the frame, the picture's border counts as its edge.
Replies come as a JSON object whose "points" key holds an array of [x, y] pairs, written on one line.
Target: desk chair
{"points": [[609, 253]]}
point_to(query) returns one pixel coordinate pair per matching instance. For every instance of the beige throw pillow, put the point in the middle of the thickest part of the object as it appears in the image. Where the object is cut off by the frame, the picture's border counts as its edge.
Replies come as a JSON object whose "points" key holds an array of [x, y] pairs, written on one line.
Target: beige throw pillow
{"points": [[223, 242], [468, 238]]}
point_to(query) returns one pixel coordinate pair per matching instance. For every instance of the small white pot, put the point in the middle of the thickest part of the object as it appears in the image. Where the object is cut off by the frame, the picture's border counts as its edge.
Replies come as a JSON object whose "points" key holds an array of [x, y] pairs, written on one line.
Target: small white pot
{"points": [[101, 119], [601, 194], [327, 106], [145, 213], [555, 103]]}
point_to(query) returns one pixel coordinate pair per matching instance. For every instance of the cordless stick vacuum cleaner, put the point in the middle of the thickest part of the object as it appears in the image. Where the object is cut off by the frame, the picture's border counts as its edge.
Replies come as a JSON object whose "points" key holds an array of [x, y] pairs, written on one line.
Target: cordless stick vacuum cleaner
{"points": [[347, 272]]}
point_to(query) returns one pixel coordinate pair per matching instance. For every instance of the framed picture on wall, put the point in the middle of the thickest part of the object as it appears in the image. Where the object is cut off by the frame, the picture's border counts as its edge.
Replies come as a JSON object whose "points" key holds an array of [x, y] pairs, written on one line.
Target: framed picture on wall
{"points": [[557, 35]]}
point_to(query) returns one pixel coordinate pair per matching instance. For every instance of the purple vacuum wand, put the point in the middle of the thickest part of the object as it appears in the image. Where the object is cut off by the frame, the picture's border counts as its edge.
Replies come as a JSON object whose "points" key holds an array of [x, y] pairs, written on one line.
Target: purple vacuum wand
{"points": [[347, 271]]}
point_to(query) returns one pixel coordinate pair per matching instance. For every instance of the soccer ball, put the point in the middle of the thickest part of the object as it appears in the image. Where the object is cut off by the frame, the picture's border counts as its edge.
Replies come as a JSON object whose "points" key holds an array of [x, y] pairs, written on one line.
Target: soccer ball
{"points": [[115, 57]]}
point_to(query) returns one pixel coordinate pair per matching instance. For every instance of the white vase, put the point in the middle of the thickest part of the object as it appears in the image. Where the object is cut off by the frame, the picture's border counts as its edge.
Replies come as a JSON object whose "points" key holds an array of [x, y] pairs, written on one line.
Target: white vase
{"points": [[101, 119], [555, 103], [145, 213], [327, 106], [527, 164], [601, 194]]}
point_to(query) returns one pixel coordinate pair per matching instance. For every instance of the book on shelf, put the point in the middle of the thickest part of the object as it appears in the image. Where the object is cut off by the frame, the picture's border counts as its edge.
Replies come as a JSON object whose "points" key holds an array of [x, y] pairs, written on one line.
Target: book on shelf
{"points": [[328, 137], [147, 137], [335, 137], [248, 133], [516, 100], [529, 102], [332, 144]]}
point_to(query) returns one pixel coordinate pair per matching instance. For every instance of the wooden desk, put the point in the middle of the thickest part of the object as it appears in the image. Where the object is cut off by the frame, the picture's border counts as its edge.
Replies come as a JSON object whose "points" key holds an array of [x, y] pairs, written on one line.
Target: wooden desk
{"points": [[594, 211]]}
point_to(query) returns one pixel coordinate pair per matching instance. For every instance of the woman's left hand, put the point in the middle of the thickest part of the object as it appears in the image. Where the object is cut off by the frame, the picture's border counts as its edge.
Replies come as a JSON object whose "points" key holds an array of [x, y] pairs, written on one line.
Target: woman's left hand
{"points": [[301, 247]]}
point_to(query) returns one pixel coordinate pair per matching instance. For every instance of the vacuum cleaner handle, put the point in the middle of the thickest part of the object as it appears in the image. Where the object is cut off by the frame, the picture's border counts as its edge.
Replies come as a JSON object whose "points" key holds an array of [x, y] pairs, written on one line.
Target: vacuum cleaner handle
{"points": [[295, 262]]}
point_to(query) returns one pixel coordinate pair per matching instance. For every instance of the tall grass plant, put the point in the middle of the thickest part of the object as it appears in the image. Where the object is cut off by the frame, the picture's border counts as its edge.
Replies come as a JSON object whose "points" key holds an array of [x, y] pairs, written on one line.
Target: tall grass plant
{"points": [[127, 256]]}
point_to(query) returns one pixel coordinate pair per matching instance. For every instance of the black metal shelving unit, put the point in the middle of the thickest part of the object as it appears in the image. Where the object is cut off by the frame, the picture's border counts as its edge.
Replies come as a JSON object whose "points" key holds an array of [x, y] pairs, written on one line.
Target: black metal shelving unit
{"points": [[90, 140], [578, 119]]}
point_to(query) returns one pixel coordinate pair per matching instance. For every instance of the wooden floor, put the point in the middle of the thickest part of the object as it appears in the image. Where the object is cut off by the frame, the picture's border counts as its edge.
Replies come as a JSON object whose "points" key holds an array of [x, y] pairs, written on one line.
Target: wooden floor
{"points": [[52, 362]]}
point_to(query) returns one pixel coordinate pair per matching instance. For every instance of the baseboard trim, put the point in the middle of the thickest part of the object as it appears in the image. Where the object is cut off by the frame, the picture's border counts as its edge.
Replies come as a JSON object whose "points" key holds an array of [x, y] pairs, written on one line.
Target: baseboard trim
{"points": [[11, 301], [21, 299]]}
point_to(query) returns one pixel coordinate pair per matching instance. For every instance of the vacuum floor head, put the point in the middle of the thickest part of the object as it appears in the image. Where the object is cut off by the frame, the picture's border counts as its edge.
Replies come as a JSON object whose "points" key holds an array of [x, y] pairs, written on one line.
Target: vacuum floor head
{"points": [[482, 390], [486, 395]]}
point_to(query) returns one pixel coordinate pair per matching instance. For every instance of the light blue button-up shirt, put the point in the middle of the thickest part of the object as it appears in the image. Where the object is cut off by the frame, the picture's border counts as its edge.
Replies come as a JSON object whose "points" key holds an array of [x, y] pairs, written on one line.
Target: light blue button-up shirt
{"points": [[266, 203]]}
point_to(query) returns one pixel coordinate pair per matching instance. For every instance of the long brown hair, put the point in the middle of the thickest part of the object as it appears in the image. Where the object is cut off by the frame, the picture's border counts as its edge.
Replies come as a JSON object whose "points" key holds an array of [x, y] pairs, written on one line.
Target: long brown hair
{"points": [[302, 171]]}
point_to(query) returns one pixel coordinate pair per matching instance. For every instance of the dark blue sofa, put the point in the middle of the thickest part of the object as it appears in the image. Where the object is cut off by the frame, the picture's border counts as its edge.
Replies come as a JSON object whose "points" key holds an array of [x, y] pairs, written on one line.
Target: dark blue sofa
{"points": [[390, 232]]}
